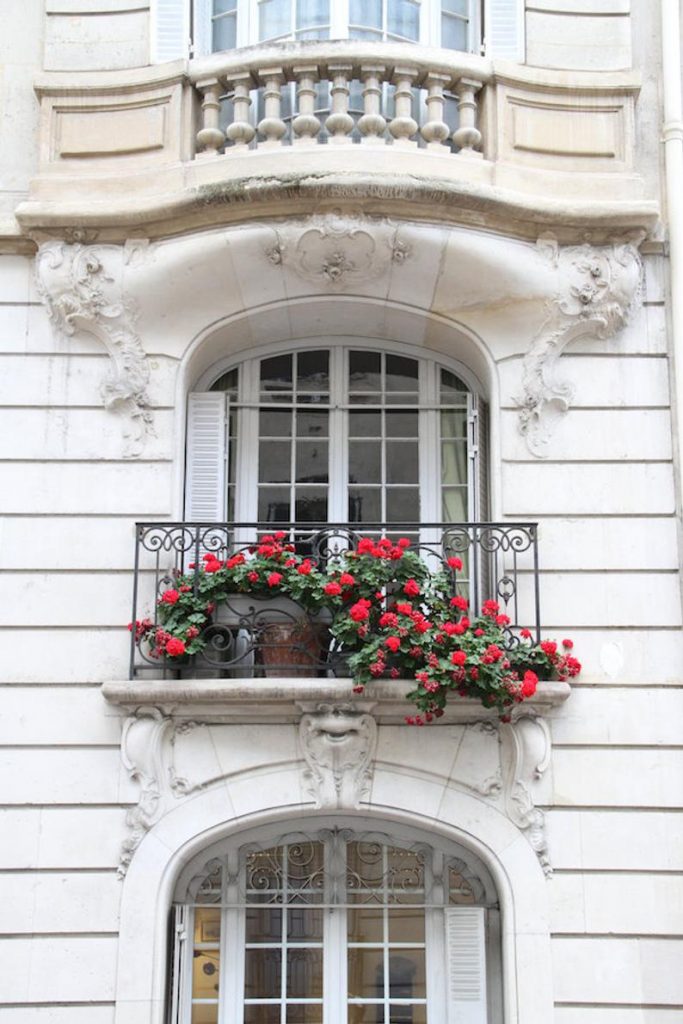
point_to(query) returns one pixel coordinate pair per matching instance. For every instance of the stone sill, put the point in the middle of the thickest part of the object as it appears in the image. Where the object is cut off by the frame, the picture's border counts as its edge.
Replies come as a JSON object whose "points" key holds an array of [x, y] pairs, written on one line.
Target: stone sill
{"points": [[283, 700]]}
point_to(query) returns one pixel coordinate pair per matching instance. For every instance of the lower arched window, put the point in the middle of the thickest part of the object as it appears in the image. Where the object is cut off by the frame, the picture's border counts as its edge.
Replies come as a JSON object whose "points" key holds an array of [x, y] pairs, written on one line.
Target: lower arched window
{"points": [[335, 926]]}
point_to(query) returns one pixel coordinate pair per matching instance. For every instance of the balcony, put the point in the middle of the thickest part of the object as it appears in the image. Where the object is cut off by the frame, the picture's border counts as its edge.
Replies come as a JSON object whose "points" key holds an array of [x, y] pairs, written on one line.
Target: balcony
{"points": [[276, 129]]}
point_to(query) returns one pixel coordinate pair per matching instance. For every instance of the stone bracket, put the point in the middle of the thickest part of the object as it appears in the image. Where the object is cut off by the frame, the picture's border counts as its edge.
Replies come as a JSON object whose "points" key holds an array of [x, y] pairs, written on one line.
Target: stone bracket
{"points": [[526, 756], [338, 744]]}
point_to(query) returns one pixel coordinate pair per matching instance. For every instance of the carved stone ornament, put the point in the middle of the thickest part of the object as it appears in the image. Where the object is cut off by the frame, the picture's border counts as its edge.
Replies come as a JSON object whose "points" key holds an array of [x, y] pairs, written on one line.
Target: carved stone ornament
{"points": [[336, 251], [338, 745], [598, 290], [82, 287], [526, 746], [142, 753]]}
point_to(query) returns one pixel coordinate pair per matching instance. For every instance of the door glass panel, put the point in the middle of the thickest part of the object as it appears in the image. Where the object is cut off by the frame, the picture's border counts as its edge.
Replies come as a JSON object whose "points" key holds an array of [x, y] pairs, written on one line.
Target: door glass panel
{"points": [[310, 505], [402, 463], [225, 32], [365, 424], [273, 504], [204, 1013], [304, 923], [453, 33], [205, 973], [274, 462], [407, 974], [366, 973], [406, 924], [312, 424], [452, 388], [365, 462], [365, 369], [263, 924], [275, 423], [401, 375], [454, 462], [407, 1014], [365, 505], [262, 973], [366, 924], [254, 1014], [311, 462], [454, 503], [403, 505], [304, 1014], [313, 371], [304, 973], [402, 424], [454, 423]]}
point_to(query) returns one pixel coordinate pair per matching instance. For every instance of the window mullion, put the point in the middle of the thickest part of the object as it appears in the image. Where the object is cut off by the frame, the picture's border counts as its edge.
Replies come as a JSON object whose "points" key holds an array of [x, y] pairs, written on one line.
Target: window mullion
{"points": [[233, 932], [338, 428], [335, 989]]}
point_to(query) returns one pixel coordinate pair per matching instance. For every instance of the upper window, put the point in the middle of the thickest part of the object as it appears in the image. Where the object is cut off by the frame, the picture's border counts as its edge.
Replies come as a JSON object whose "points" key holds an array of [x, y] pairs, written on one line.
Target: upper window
{"points": [[338, 926], [338, 434]]}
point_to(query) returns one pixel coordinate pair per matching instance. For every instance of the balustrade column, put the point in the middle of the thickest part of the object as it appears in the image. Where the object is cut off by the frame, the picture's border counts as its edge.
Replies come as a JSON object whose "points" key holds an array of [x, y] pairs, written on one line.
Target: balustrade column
{"points": [[468, 136], [209, 137], [435, 131], [340, 123], [241, 131], [403, 125], [272, 125], [306, 125], [372, 124]]}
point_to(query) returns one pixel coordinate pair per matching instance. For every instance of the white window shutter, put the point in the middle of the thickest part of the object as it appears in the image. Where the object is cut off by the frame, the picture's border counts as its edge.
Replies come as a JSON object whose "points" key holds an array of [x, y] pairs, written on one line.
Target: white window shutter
{"points": [[466, 953], [178, 963], [170, 29], [504, 29], [207, 451]]}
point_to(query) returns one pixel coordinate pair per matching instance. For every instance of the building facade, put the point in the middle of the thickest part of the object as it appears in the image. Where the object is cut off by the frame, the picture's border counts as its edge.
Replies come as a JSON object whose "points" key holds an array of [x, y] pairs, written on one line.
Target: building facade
{"points": [[365, 264]]}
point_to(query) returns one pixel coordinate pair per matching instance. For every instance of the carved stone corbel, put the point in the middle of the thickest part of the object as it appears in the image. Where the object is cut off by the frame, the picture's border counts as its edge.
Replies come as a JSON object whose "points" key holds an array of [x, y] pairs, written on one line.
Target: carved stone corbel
{"points": [[142, 753], [338, 746], [526, 756], [598, 288], [82, 288]]}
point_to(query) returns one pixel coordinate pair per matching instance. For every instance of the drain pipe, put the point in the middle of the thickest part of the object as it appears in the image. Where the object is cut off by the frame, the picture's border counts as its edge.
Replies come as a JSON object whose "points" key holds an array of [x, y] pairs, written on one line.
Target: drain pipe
{"points": [[672, 137]]}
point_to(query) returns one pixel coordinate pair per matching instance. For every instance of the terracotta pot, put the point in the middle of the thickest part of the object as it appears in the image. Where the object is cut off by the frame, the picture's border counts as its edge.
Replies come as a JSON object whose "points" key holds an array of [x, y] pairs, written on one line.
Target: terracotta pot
{"points": [[290, 649]]}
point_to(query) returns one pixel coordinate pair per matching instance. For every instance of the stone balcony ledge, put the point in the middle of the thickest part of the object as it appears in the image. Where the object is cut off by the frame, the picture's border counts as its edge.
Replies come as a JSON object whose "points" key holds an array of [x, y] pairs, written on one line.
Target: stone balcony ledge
{"points": [[495, 144], [281, 700]]}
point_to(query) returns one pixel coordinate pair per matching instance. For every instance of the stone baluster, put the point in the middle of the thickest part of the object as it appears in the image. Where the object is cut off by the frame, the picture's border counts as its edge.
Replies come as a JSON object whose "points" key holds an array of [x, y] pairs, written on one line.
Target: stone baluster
{"points": [[272, 126], [372, 125], [404, 125], [340, 123], [467, 136], [435, 131], [209, 137], [241, 131], [306, 125]]}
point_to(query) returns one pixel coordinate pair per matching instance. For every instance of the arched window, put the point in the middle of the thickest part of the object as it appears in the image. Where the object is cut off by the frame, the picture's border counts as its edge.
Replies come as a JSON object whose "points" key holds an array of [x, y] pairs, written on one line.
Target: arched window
{"points": [[336, 434], [337, 925]]}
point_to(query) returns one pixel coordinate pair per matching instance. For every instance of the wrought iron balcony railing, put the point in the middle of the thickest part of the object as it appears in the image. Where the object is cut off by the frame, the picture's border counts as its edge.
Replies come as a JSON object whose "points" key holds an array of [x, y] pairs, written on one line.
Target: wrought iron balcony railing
{"points": [[250, 635]]}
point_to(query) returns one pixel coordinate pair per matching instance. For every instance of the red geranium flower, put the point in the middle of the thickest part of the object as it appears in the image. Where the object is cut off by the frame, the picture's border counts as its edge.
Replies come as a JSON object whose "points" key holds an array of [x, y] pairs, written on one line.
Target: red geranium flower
{"points": [[170, 596], [332, 589], [175, 647], [411, 588], [274, 578]]}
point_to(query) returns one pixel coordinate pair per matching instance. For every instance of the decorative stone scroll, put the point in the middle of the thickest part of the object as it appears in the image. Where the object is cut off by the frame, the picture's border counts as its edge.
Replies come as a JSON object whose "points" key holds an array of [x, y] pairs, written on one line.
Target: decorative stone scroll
{"points": [[526, 756], [82, 287], [338, 745], [142, 753], [337, 252], [597, 292]]}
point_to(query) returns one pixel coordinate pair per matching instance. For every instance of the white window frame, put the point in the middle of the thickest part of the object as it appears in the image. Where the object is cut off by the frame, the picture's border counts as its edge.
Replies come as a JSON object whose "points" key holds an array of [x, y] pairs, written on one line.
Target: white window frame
{"points": [[441, 980]]}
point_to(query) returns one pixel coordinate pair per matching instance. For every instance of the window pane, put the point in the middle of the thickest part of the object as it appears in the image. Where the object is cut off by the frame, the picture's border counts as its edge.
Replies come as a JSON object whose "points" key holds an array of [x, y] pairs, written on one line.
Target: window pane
{"points": [[403, 505], [263, 924], [262, 1014], [203, 1013], [452, 388], [276, 373], [205, 974], [364, 371], [366, 12], [402, 374], [223, 6], [311, 462], [454, 423], [406, 924], [365, 424], [312, 12], [303, 1014], [402, 463], [273, 504], [366, 924], [368, 1014], [407, 974], [310, 505], [454, 462], [453, 33], [408, 1014], [366, 973], [275, 423], [304, 923], [274, 462], [274, 20], [401, 424], [225, 32], [455, 6], [365, 505], [455, 505], [313, 371], [304, 973], [226, 382], [312, 424], [365, 462], [403, 18], [207, 924], [262, 969]]}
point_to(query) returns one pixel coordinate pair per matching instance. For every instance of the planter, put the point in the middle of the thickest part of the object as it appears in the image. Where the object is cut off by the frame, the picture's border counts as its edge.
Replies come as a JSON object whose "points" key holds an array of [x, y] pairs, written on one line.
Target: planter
{"points": [[291, 649], [275, 633]]}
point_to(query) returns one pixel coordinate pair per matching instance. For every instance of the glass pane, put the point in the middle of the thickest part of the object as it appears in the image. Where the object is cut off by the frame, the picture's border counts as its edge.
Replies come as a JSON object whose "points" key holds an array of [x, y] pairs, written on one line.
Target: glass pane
{"points": [[366, 12], [204, 1013], [274, 20], [273, 504], [304, 923], [223, 6], [402, 464], [459, 889], [310, 505], [403, 18], [365, 424], [401, 374], [365, 33], [274, 464], [263, 924], [276, 373], [454, 462], [401, 424], [452, 388], [205, 974], [225, 32], [311, 462], [262, 1014], [365, 505], [365, 462], [454, 504], [366, 924], [262, 972], [207, 924], [408, 1014], [275, 423], [368, 1014], [366, 973], [304, 973], [312, 12], [453, 33], [313, 371], [406, 924], [312, 424], [403, 505], [303, 1014], [455, 6], [407, 974], [226, 382], [365, 371], [454, 423]]}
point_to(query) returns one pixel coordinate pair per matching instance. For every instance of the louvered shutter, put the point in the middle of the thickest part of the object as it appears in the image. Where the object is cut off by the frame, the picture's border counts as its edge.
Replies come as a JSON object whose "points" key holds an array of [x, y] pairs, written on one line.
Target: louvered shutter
{"points": [[504, 29], [170, 29], [466, 953], [178, 972], [207, 450]]}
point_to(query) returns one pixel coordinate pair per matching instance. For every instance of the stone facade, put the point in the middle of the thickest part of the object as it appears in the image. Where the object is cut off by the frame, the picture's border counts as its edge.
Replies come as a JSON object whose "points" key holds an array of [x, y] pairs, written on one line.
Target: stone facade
{"points": [[135, 255]]}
